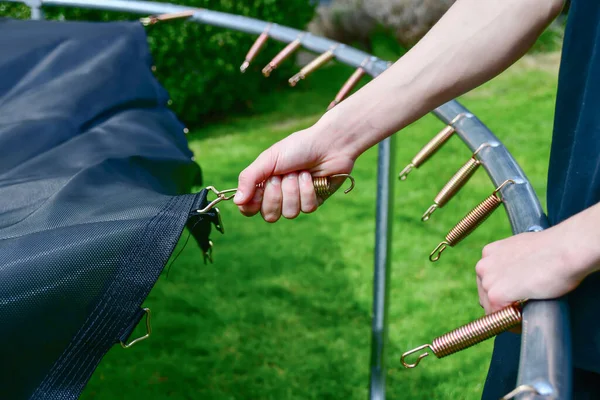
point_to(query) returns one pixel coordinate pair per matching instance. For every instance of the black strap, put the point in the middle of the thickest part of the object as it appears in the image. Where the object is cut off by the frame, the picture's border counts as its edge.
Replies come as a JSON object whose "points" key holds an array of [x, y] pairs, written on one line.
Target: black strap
{"points": [[199, 224]]}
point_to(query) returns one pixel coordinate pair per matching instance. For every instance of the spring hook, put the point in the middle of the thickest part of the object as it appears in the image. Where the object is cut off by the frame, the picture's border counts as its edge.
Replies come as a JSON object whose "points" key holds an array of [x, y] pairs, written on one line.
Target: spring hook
{"points": [[349, 85], [312, 66], [455, 183], [470, 222], [469, 335], [282, 55], [432, 147], [322, 185], [153, 19], [256, 47]]}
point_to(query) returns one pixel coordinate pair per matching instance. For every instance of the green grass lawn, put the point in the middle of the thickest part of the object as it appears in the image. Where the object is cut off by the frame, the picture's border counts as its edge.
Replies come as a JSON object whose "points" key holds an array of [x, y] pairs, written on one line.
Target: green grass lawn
{"points": [[285, 310]]}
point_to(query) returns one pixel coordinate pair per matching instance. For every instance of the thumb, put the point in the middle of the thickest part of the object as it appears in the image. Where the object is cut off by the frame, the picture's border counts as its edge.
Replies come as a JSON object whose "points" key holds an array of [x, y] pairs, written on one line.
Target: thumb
{"points": [[255, 173]]}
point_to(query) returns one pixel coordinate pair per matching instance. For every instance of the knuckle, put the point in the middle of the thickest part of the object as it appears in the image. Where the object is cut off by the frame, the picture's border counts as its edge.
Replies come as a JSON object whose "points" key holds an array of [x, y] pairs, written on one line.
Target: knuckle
{"points": [[485, 285], [495, 299], [486, 251], [480, 268]]}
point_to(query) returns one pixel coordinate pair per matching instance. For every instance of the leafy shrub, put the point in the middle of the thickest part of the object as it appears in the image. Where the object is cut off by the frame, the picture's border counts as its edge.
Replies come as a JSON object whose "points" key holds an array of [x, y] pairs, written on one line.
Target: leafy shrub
{"points": [[199, 64]]}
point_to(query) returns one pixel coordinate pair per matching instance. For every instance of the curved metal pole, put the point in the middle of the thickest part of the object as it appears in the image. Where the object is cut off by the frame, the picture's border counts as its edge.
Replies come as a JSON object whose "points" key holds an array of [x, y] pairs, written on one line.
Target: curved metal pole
{"points": [[546, 367], [343, 53], [545, 361]]}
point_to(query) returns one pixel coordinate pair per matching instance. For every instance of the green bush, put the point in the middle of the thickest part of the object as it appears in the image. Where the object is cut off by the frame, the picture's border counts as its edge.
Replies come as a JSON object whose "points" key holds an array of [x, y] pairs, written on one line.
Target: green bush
{"points": [[199, 64]]}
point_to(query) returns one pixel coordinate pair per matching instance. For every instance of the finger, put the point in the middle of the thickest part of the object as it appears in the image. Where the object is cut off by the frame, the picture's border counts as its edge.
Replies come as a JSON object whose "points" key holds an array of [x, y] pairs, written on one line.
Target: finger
{"points": [[483, 299], [253, 207], [271, 204], [308, 197], [255, 173], [290, 189]]}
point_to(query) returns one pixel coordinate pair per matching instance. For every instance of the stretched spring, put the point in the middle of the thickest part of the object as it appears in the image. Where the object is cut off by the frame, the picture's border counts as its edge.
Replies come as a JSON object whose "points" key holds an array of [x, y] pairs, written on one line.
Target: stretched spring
{"points": [[282, 56], [348, 86], [470, 334], [256, 47], [470, 222], [322, 185], [459, 179], [431, 148], [311, 67]]}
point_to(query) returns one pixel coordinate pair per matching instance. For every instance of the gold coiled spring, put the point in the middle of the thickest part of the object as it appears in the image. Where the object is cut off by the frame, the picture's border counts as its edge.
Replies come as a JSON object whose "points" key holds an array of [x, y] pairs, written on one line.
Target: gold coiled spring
{"points": [[470, 222], [282, 56], [255, 49], [470, 334], [153, 19], [312, 66], [349, 85], [431, 148], [455, 183], [322, 184]]}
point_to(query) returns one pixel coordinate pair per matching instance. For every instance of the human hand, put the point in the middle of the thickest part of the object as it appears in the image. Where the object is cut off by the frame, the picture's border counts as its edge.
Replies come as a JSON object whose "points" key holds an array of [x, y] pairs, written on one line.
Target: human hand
{"points": [[287, 167], [533, 265]]}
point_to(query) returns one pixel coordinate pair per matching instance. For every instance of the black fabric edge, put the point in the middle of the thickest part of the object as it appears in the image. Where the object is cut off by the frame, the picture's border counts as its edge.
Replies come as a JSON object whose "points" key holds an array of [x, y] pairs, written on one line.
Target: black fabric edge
{"points": [[111, 317]]}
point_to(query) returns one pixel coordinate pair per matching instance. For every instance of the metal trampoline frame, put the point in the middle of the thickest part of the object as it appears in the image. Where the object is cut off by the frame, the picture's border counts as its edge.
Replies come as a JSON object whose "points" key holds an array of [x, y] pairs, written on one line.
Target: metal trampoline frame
{"points": [[545, 366]]}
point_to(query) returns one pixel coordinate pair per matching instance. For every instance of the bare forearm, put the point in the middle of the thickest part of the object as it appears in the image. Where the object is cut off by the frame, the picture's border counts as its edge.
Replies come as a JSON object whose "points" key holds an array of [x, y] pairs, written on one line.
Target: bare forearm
{"points": [[473, 42], [581, 237]]}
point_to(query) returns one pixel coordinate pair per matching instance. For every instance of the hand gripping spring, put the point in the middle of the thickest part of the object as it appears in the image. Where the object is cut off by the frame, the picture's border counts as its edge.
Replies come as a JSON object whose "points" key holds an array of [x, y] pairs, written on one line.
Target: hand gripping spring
{"points": [[470, 222], [469, 335], [432, 147], [460, 178], [322, 185]]}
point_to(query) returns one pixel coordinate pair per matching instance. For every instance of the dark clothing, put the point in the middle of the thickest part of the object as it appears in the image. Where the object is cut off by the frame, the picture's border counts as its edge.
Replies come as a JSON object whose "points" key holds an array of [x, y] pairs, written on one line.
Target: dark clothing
{"points": [[574, 172], [573, 186]]}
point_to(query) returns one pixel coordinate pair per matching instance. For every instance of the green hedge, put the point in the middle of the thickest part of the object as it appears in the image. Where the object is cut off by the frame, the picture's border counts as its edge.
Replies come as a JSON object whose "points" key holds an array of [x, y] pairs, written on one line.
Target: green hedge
{"points": [[199, 64]]}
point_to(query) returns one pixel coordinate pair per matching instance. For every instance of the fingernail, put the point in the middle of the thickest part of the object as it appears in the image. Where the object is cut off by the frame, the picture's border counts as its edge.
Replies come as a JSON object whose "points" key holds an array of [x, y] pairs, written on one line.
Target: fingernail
{"points": [[239, 196], [275, 180], [305, 176], [291, 176]]}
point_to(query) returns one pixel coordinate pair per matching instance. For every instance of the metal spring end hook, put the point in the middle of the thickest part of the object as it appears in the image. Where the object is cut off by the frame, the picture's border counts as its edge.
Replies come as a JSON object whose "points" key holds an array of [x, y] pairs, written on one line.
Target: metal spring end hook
{"points": [[146, 336], [437, 252], [470, 222], [404, 173], [432, 146], [499, 188], [347, 176], [520, 390], [453, 186], [428, 213], [256, 47], [413, 351]]}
